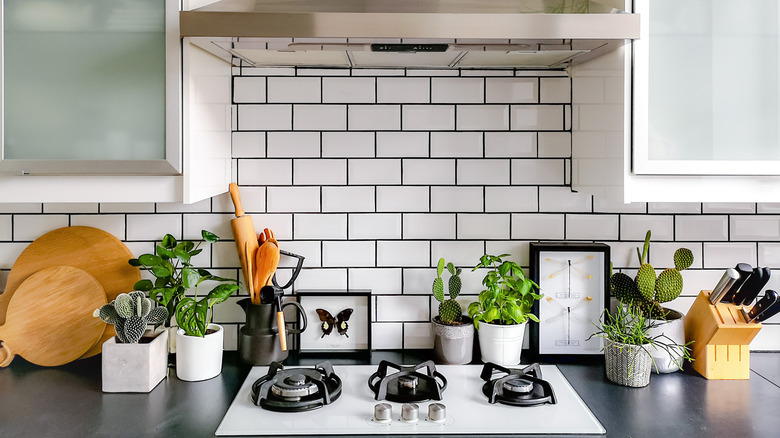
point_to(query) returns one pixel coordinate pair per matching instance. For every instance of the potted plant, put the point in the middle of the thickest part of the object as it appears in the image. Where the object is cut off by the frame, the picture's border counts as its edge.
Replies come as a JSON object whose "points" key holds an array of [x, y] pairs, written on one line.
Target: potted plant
{"points": [[628, 341], [453, 332], [136, 359], [647, 292], [503, 309]]}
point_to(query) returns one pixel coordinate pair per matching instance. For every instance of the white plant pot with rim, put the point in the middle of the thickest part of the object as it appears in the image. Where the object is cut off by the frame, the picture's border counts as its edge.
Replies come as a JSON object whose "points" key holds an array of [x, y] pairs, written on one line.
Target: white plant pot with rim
{"points": [[453, 344], [674, 329], [501, 344], [199, 358]]}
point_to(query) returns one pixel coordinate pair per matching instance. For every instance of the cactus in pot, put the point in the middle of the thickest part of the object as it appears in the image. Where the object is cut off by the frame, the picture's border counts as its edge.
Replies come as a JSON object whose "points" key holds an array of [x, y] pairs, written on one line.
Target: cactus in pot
{"points": [[131, 313], [453, 333]]}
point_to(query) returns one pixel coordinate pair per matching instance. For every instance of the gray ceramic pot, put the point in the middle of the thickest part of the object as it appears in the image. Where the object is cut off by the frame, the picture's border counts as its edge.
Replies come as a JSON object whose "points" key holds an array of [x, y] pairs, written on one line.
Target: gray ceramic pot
{"points": [[453, 344]]}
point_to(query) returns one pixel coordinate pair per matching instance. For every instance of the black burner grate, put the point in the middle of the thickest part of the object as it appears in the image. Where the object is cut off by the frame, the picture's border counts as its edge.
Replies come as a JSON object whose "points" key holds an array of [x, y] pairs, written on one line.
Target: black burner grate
{"points": [[328, 386], [498, 389], [408, 384]]}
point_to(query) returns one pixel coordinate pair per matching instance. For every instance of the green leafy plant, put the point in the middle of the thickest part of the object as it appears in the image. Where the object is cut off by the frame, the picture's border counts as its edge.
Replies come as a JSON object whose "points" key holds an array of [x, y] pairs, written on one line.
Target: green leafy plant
{"points": [[450, 311], [131, 314], [629, 326], [174, 274], [646, 291], [508, 297]]}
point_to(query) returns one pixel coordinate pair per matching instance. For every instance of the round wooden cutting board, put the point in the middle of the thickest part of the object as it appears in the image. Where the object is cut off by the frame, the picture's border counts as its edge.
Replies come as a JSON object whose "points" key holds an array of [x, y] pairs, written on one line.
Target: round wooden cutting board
{"points": [[49, 320], [95, 251]]}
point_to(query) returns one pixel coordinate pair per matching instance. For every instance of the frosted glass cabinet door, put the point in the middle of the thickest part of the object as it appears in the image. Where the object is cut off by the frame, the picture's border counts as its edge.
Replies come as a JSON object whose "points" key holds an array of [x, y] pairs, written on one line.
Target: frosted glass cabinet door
{"points": [[706, 88], [84, 87]]}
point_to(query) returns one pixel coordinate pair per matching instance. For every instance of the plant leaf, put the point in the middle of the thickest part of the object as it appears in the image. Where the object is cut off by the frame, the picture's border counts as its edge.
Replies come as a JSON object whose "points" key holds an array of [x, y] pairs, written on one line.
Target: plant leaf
{"points": [[190, 277], [168, 242], [221, 293], [149, 260], [209, 236], [143, 285]]}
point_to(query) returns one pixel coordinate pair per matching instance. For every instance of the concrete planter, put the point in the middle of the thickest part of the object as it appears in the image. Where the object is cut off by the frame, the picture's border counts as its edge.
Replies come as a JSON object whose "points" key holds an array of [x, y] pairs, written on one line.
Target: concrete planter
{"points": [[199, 358], [501, 344], [453, 344], [134, 367], [627, 365]]}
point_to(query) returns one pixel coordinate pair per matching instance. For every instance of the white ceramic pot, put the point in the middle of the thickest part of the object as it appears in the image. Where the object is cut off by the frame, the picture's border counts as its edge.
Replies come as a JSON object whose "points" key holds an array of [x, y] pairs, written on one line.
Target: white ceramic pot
{"points": [[199, 358], [134, 367], [501, 344], [674, 330]]}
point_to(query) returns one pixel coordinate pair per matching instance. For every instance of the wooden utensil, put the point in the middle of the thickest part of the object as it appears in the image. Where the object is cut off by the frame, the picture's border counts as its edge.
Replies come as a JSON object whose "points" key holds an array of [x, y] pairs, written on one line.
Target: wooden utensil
{"points": [[97, 252], [250, 267], [267, 259], [245, 236], [49, 320]]}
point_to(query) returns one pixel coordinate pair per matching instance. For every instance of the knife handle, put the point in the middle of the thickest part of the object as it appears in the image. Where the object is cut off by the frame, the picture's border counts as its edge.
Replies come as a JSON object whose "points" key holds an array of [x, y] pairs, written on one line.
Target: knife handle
{"points": [[770, 311], [744, 271], [769, 299], [752, 287], [726, 281]]}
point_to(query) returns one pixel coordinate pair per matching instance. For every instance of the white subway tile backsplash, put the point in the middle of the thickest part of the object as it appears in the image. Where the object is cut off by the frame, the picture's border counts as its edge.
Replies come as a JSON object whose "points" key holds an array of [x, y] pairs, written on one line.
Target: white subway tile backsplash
{"points": [[554, 144], [294, 90], [110, 223], [67, 208], [418, 281], [589, 227], [459, 252], [375, 226], [280, 224], [320, 226], [387, 336], [661, 255], [456, 199], [623, 254], [634, 227], [293, 144], [312, 250], [374, 171], [402, 144], [674, 207], [728, 207], [457, 90], [359, 253], [320, 117], [768, 207], [538, 172], [328, 171], [428, 172], [381, 281], [769, 254], [248, 145], [13, 207], [403, 90], [392, 308], [249, 89], [293, 199], [428, 117], [588, 90], [348, 90], [562, 199], [511, 199], [265, 117], [374, 117], [555, 90], [347, 144], [153, 226], [402, 253], [538, 226], [610, 204], [755, 227], [408, 198], [252, 201], [510, 144], [264, 172], [5, 227], [9, 252], [483, 172], [456, 144], [482, 117], [348, 199], [701, 228], [728, 254], [321, 278], [511, 90], [428, 226], [418, 335], [175, 207], [483, 226], [31, 227], [536, 118], [518, 252]]}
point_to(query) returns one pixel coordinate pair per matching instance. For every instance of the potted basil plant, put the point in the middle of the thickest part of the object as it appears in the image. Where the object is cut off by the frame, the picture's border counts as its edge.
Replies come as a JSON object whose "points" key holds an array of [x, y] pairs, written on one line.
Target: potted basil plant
{"points": [[503, 309]]}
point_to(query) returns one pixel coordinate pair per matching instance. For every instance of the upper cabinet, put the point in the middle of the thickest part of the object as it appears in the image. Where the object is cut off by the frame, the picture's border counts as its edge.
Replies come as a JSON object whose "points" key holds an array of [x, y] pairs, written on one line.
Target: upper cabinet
{"points": [[703, 101], [101, 102]]}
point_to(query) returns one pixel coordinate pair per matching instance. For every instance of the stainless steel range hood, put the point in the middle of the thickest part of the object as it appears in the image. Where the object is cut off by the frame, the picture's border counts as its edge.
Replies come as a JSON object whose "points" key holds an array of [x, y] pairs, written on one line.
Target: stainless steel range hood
{"points": [[437, 34]]}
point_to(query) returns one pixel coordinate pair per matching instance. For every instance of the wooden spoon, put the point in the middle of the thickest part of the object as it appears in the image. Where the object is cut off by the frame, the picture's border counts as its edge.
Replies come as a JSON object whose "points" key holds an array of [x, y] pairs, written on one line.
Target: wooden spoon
{"points": [[267, 259]]}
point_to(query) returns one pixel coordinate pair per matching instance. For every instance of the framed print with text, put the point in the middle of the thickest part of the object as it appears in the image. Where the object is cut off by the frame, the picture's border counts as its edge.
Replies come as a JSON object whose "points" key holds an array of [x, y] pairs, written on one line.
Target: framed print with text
{"points": [[574, 279]]}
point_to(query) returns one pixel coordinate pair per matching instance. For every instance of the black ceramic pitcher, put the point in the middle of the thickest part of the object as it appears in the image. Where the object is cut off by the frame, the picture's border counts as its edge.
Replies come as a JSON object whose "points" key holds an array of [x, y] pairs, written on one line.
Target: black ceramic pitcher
{"points": [[259, 338]]}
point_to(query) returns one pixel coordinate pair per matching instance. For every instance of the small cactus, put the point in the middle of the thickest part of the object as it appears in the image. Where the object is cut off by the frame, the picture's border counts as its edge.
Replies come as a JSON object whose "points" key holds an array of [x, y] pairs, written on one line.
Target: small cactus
{"points": [[450, 311], [648, 291], [130, 313]]}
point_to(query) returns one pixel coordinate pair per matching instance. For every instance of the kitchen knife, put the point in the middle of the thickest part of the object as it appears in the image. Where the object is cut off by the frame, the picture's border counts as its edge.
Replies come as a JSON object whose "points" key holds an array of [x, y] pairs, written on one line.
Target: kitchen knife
{"points": [[744, 271], [752, 287], [768, 313], [764, 304], [729, 277]]}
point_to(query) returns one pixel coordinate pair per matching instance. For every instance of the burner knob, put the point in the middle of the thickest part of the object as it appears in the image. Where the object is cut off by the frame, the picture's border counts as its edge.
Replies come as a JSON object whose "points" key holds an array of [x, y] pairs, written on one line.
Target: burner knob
{"points": [[410, 412], [437, 412], [383, 412]]}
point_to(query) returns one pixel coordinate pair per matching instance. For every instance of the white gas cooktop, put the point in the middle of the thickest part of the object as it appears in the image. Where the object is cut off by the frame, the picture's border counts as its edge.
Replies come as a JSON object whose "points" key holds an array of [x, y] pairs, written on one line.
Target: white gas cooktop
{"points": [[468, 411]]}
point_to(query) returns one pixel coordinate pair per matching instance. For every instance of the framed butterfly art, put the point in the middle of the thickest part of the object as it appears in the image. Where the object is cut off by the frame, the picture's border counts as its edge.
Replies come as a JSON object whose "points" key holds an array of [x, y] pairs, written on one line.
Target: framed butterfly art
{"points": [[339, 322]]}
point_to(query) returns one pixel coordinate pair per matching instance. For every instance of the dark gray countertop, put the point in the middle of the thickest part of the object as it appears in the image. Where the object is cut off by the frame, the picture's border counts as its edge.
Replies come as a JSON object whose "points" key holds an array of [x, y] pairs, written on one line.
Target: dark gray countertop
{"points": [[67, 401]]}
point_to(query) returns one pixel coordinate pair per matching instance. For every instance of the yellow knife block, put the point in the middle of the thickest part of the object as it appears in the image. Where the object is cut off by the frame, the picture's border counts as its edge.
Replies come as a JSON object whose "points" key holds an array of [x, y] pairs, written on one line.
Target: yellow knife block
{"points": [[721, 338]]}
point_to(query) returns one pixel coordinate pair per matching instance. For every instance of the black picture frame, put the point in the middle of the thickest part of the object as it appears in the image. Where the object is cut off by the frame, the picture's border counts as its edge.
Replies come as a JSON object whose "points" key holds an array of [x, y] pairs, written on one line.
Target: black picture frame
{"points": [[567, 317], [355, 342]]}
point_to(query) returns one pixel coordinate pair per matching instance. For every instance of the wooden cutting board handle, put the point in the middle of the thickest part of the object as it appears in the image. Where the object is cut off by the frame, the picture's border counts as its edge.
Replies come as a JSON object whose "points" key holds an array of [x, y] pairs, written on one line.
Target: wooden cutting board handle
{"points": [[9, 355]]}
